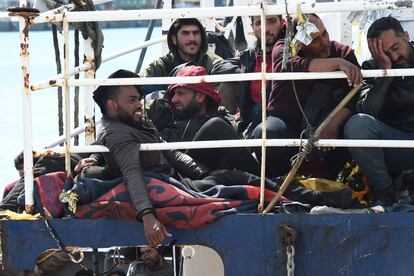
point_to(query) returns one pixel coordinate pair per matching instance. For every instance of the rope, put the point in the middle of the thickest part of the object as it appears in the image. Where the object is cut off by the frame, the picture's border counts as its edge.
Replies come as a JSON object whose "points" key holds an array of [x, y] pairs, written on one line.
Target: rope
{"points": [[63, 248], [288, 38], [226, 28], [315, 137], [90, 30], [81, 254], [58, 70]]}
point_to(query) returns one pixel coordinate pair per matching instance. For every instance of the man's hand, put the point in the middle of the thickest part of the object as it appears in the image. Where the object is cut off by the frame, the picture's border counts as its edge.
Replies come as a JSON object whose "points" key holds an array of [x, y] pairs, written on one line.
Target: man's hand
{"points": [[375, 47], [85, 163], [353, 73], [154, 231]]}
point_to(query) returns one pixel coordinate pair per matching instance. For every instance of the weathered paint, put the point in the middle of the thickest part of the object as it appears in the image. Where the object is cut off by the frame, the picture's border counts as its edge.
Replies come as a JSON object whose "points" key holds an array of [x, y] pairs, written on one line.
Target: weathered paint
{"points": [[371, 244]]}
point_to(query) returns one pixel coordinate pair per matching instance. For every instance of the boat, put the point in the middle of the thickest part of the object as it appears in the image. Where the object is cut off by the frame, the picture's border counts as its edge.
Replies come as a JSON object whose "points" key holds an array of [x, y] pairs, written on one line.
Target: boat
{"points": [[248, 244]]}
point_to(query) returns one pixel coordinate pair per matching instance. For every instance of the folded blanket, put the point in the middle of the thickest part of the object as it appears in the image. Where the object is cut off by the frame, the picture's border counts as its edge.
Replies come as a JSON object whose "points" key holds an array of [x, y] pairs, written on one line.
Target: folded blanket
{"points": [[176, 205]]}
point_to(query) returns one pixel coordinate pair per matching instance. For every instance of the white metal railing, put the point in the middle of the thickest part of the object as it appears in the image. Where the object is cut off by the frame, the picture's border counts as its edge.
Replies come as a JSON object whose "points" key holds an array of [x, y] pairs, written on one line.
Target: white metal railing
{"points": [[343, 143], [73, 133], [198, 13], [217, 12], [228, 78], [57, 80]]}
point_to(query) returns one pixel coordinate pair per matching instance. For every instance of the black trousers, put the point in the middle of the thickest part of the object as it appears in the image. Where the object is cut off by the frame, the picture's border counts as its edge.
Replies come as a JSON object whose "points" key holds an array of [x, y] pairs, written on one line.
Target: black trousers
{"points": [[223, 158], [295, 191], [278, 158]]}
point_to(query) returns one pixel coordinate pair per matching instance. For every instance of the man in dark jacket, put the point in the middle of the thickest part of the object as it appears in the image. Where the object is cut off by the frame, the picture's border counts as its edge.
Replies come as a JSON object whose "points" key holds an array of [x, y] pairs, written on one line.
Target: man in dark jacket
{"points": [[192, 112], [187, 41], [317, 97], [387, 109], [123, 131]]}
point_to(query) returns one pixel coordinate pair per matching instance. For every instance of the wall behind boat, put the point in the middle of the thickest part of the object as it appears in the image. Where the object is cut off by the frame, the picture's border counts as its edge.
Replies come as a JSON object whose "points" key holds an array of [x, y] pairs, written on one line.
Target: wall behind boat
{"points": [[44, 102]]}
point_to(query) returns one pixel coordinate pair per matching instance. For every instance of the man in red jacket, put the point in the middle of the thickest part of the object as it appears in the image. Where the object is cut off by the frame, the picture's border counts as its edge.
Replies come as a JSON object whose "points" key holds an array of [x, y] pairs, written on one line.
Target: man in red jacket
{"points": [[316, 97]]}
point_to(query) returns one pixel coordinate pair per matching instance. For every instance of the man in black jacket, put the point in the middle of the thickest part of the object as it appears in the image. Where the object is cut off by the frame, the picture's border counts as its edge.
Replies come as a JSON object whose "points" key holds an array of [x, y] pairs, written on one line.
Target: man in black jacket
{"points": [[386, 109]]}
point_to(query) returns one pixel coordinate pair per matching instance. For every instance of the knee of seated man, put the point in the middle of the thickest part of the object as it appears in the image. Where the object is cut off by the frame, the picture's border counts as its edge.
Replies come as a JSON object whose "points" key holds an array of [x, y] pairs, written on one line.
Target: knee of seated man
{"points": [[359, 126]]}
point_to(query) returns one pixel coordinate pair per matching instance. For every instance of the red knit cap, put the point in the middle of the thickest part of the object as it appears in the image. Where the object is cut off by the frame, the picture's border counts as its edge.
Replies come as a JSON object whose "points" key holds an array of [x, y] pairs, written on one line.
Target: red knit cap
{"points": [[201, 87]]}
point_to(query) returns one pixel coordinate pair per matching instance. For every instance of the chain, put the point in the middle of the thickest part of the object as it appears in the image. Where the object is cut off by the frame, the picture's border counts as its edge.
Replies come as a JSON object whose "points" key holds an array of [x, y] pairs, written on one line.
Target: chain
{"points": [[290, 264], [63, 248], [80, 252], [287, 235]]}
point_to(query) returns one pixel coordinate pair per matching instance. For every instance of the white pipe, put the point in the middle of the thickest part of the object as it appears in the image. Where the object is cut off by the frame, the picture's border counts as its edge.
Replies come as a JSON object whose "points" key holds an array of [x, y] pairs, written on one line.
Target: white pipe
{"points": [[249, 143], [239, 77], [5, 15], [229, 78], [54, 81], [73, 133], [217, 12], [280, 143], [27, 113]]}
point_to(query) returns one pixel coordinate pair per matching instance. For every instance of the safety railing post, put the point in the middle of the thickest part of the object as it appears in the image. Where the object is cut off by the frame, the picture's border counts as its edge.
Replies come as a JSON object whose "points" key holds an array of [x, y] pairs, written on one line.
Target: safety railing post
{"points": [[263, 79], [27, 111], [88, 90], [66, 99]]}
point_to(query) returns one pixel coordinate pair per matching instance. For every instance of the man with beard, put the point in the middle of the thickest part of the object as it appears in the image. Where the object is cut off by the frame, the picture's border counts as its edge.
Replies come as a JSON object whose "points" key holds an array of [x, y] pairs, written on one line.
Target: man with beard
{"points": [[149, 262], [124, 130], [192, 112], [317, 97], [187, 42], [250, 102], [386, 109]]}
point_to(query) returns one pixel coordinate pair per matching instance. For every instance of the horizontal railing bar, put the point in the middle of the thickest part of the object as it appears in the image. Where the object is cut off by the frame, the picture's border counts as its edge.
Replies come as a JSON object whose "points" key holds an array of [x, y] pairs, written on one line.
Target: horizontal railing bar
{"points": [[233, 77], [73, 133], [250, 143], [217, 11], [57, 80]]}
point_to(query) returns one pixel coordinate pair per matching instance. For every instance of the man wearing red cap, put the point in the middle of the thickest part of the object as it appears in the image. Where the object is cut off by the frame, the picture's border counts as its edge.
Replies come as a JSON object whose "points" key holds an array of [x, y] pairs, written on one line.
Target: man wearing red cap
{"points": [[191, 111]]}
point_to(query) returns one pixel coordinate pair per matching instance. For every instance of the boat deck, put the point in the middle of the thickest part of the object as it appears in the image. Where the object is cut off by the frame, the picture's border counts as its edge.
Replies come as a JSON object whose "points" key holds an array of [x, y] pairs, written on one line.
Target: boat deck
{"points": [[355, 244]]}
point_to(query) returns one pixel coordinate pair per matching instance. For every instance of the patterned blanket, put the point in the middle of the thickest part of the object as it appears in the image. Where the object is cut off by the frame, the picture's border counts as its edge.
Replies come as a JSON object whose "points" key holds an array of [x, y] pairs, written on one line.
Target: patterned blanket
{"points": [[176, 206]]}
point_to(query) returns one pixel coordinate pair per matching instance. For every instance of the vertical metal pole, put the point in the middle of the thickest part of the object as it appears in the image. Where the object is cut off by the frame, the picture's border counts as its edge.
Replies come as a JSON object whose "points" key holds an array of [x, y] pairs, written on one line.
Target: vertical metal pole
{"points": [[27, 112], [166, 25], [89, 106], [95, 261], [260, 208], [66, 95]]}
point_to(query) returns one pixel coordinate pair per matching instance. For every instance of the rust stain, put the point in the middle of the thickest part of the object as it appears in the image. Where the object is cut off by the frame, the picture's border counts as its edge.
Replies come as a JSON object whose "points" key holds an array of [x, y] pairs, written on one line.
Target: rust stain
{"points": [[91, 61], [202, 80], [24, 49], [46, 152], [384, 72], [90, 131], [29, 208], [52, 82], [26, 82]]}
